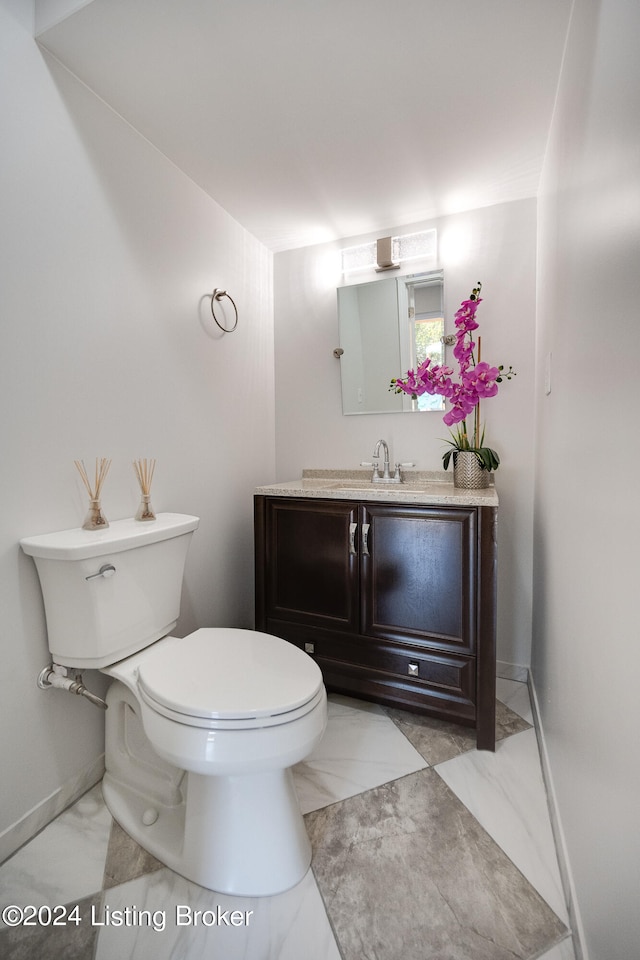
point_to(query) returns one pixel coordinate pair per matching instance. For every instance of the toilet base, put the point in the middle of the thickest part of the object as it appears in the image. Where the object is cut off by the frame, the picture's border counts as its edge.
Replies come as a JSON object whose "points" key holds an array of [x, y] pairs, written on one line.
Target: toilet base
{"points": [[244, 836], [239, 834]]}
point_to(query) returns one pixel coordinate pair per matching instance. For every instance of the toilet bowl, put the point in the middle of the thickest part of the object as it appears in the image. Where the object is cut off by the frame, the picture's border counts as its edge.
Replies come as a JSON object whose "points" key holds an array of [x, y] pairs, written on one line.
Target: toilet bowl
{"points": [[201, 731], [201, 735]]}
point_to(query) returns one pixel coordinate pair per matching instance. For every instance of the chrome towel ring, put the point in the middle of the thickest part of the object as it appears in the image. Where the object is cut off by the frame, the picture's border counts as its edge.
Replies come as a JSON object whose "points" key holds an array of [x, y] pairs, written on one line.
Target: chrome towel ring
{"points": [[219, 295]]}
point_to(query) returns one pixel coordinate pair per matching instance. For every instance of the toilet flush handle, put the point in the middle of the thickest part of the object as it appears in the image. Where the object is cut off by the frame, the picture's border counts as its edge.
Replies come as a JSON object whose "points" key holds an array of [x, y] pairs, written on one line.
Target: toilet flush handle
{"points": [[106, 571]]}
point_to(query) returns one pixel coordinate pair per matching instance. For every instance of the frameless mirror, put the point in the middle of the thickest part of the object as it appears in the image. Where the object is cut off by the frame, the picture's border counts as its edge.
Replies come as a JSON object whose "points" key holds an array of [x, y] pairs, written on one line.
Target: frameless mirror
{"points": [[387, 327]]}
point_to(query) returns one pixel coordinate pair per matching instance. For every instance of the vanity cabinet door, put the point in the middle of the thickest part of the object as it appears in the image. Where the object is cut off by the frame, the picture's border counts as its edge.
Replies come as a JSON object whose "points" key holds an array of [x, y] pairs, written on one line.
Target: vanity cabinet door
{"points": [[312, 563], [418, 575]]}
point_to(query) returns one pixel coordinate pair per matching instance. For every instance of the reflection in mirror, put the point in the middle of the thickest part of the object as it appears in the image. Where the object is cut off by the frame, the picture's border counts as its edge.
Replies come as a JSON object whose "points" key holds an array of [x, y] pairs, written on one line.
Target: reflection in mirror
{"points": [[386, 328]]}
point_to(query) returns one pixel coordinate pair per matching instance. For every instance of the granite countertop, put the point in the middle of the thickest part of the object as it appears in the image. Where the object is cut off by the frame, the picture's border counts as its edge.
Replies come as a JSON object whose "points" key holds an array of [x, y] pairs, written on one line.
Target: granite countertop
{"points": [[418, 486]]}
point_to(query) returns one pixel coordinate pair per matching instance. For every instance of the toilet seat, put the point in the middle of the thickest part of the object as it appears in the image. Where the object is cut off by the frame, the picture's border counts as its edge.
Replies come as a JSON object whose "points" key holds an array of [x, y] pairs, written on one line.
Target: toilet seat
{"points": [[223, 678]]}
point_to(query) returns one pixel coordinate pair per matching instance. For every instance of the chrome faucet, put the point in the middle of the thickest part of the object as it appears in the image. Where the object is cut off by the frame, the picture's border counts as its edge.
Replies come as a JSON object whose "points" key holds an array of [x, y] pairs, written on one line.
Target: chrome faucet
{"points": [[386, 471], [376, 454]]}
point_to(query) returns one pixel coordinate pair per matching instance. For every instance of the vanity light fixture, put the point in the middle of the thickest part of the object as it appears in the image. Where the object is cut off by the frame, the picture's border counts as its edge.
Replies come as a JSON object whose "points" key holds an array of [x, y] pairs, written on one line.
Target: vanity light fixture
{"points": [[389, 253], [358, 258]]}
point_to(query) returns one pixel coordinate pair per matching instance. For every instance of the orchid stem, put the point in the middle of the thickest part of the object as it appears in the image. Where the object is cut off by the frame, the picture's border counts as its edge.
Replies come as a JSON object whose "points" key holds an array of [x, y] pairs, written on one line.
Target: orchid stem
{"points": [[476, 437]]}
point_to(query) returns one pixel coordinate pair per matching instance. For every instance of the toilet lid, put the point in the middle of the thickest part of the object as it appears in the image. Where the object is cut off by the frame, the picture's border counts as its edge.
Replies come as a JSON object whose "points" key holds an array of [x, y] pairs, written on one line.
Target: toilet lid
{"points": [[227, 674]]}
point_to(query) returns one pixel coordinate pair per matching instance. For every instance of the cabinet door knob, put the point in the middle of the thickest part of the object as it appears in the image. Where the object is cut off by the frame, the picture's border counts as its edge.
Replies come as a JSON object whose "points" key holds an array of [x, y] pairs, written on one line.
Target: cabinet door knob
{"points": [[414, 670]]}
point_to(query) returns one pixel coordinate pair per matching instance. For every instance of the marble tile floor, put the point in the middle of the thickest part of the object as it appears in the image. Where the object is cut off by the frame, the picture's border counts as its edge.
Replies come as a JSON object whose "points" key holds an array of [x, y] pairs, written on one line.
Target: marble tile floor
{"points": [[423, 849]]}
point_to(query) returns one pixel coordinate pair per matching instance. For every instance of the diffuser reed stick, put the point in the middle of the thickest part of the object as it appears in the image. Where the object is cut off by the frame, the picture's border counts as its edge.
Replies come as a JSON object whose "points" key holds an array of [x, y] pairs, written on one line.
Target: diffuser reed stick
{"points": [[144, 470], [95, 518]]}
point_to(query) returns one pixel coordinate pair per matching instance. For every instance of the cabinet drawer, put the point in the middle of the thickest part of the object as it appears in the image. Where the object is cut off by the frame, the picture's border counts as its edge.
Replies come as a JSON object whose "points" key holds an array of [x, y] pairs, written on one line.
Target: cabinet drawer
{"points": [[451, 675], [443, 674], [447, 677]]}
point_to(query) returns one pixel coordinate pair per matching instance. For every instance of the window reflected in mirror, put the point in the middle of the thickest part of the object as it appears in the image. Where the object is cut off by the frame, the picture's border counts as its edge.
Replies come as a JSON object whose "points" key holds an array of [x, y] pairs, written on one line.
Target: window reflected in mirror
{"points": [[426, 329]]}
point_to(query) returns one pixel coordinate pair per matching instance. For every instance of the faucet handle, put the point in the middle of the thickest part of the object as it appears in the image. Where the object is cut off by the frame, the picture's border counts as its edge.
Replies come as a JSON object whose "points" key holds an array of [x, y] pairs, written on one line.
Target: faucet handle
{"points": [[398, 474], [368, 463]]}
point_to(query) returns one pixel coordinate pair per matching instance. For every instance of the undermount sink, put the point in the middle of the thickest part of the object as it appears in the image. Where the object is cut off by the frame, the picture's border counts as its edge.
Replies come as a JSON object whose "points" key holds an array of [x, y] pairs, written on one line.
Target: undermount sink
{"points": [[346, 484], [358, 485], [364, 485]]}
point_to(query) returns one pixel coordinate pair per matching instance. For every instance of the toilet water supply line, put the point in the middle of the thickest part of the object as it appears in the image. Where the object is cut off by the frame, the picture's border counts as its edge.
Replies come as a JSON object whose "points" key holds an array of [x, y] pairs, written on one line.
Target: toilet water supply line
{"points": [[55, 675]]}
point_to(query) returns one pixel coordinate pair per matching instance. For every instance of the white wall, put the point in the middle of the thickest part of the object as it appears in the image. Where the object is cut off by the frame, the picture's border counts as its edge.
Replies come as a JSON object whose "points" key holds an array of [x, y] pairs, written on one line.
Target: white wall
{"points": [[495, 245], [586, 649], [107, 253]]}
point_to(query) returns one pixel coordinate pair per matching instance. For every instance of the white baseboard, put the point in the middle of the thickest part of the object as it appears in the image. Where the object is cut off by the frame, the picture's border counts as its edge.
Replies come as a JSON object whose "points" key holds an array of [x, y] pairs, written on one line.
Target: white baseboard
{"points": [[48, 809], [558, 833]]}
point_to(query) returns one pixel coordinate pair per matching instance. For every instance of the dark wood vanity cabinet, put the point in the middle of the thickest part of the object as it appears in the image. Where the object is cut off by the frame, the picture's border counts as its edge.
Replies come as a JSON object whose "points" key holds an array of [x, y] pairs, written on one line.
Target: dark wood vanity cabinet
{"points": [[395, 602]]}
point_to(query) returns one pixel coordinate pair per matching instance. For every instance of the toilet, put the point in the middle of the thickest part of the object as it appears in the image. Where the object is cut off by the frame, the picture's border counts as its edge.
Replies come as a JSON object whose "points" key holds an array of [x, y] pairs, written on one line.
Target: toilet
{"points": [[201, 731]]}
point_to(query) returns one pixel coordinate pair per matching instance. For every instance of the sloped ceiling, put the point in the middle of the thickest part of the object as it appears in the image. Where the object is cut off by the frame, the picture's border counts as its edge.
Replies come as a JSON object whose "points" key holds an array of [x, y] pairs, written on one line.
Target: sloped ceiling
{"points": [[309, 120]]}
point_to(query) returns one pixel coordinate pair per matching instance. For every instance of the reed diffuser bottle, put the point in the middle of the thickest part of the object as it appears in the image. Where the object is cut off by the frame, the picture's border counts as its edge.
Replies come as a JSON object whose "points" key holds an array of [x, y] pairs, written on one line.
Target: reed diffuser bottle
{"points": [[95, 519], [144, 472]]}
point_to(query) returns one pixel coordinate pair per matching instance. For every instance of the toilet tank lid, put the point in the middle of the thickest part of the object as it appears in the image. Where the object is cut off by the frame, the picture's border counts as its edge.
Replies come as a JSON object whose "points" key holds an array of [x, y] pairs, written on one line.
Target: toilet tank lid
{"points": [[78, 544]]}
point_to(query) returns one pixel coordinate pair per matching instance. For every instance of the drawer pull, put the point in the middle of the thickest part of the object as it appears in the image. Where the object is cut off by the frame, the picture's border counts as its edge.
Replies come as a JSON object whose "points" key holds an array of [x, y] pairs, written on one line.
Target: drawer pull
{"points": [[365, 539], [414, 670], [352, 537]]}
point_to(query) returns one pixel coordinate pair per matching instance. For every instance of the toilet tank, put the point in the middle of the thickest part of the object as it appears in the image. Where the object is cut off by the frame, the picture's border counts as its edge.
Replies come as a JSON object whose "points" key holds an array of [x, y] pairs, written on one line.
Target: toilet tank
{"points": [[93, 621]]}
